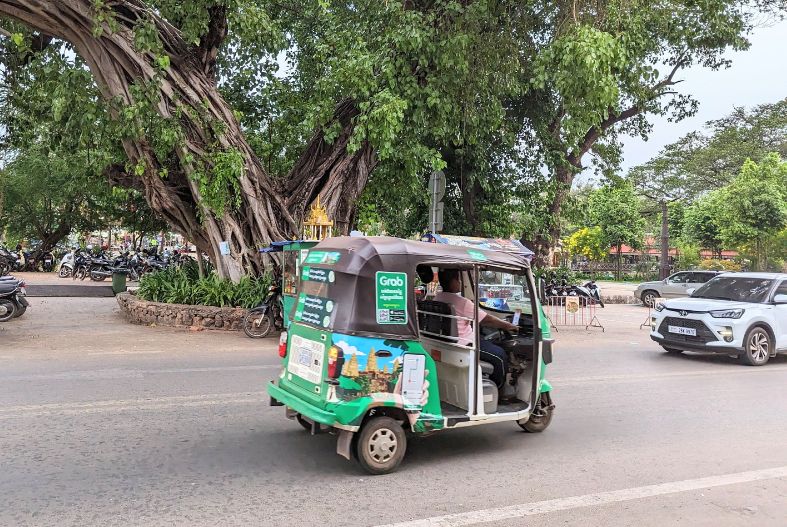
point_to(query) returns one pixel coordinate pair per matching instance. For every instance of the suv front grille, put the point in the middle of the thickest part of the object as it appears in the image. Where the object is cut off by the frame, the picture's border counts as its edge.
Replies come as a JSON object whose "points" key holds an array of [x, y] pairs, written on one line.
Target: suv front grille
{"points": [[704, 334]]}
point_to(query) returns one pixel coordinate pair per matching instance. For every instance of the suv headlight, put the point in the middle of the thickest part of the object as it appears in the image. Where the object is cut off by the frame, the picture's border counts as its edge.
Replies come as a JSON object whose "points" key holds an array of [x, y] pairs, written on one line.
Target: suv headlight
{"points": [[659, 307], [727, 313]]}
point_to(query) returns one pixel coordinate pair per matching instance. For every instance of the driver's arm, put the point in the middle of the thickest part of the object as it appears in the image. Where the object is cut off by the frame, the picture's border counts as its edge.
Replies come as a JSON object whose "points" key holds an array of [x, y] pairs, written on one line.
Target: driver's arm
{"points": [[498, 323]]}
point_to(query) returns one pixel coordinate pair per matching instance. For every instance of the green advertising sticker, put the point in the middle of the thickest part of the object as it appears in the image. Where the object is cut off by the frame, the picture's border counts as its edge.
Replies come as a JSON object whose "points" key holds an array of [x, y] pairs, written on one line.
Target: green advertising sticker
{"points": [[477, 255], [322, 257], [391, 296], [314, 310], [317, 274]]}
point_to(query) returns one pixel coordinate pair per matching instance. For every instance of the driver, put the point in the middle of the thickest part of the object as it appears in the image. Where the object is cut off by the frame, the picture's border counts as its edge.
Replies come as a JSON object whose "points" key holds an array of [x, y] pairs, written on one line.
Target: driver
{"points": [[451, 283]]}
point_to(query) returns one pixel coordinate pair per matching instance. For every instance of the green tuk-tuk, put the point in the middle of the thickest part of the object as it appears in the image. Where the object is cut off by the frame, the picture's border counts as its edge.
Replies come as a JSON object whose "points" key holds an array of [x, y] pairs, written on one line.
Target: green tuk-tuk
{"points": [[367, 357]]}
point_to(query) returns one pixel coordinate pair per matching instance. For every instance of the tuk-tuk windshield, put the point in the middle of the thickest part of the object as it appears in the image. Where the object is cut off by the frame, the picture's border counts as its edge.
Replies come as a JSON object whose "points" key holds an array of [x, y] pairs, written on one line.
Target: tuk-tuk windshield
{"points": [[504, 291]]}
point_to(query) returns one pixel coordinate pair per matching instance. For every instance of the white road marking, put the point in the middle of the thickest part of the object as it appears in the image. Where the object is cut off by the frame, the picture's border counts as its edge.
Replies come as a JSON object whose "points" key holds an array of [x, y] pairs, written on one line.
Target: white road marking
{"points": [[118, 405], [592, 500], [130, 373], [125, 352], [635, 377]]}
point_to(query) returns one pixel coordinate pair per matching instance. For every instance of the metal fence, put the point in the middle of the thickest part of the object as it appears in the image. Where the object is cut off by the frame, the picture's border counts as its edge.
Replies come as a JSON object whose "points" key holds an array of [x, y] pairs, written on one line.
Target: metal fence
{"points": [[571, 311]]}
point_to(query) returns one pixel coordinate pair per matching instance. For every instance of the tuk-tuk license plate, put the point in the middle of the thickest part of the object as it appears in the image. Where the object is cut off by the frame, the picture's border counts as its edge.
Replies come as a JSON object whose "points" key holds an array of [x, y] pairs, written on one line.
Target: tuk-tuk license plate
{"points": [[682, 331], [306, 359]]}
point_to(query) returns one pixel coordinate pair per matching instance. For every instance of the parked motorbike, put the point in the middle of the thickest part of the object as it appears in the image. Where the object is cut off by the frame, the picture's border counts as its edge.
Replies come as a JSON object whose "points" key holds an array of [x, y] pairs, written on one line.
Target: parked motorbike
{"points": [[589, 291], [261, 320], [12, 298], [66, 267], [9, 261], [595, 291], [47, 261]]}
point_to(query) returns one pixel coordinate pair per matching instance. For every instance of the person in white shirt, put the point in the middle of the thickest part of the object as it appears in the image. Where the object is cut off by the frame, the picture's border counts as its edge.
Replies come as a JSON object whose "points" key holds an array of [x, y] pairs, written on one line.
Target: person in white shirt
{"points": [[450, 281]]}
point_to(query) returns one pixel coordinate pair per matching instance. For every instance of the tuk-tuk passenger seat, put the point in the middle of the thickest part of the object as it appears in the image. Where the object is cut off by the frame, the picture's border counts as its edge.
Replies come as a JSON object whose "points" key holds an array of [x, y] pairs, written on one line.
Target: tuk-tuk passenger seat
{"points": [[435, 325]]}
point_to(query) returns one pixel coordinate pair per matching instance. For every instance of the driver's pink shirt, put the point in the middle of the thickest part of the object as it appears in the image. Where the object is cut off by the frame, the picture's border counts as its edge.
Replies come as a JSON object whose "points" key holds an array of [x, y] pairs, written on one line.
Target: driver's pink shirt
{"points": [[462, 308]]}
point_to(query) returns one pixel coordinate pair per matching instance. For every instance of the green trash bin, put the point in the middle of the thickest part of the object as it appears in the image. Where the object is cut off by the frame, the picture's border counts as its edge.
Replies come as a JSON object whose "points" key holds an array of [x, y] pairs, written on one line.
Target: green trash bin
{"points": [[119, 281]]}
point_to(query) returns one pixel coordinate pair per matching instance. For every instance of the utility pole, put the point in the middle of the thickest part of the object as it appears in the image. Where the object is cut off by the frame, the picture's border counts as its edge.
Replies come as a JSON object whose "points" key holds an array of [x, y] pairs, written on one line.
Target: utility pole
{"points": [[664, 263]]}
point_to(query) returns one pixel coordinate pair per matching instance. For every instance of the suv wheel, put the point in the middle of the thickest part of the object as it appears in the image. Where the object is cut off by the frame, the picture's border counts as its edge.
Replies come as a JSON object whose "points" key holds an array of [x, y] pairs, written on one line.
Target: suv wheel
{"points": [[756, 347], [649, 298]]}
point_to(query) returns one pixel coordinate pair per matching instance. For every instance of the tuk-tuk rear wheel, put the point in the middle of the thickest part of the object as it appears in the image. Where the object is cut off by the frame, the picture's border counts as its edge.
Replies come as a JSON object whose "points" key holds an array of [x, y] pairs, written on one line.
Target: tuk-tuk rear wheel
{"points": [[380, 445], [541, 417]]}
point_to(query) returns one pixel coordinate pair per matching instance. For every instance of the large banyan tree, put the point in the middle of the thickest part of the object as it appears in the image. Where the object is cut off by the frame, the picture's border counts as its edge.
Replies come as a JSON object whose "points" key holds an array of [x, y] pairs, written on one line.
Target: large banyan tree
{"points": [[233, 116]]}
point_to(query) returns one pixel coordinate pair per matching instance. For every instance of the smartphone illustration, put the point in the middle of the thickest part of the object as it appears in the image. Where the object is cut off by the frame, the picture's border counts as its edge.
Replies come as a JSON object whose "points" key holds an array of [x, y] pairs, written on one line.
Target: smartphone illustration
{"points": [[413, 378]]}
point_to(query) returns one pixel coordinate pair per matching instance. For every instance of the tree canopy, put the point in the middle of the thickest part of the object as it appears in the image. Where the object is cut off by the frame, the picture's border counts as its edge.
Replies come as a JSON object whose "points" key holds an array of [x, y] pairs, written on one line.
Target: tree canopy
{"points": [[232, 116]]}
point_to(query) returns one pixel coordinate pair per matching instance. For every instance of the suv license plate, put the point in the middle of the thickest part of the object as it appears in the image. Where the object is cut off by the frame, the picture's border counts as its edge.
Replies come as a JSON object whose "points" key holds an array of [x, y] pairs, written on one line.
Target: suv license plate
{"points": [[680, 330]]}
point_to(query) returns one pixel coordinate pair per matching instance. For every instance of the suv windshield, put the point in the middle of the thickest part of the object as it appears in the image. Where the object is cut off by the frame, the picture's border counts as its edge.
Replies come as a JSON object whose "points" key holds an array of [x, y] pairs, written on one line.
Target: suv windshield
{"points": [[738, 289]]}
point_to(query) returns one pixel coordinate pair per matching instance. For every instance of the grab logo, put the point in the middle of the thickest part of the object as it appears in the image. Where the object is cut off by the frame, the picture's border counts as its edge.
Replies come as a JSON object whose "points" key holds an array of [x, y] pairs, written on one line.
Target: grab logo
{"points": [[389, 281]]}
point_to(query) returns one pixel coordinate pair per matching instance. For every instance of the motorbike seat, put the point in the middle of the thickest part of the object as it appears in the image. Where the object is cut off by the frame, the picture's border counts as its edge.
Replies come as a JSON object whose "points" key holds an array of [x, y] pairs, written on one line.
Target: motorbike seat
{"points": [[7, 287]]}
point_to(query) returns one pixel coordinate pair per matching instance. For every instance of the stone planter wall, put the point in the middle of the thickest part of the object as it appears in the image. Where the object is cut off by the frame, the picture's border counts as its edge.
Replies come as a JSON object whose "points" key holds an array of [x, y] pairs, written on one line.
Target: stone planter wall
{"points": [[620, 299], [138, 311]]}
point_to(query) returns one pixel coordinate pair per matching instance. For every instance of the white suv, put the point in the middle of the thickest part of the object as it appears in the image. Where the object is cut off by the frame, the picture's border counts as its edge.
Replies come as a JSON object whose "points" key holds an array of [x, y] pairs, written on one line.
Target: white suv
{"points": [[740, 314]]}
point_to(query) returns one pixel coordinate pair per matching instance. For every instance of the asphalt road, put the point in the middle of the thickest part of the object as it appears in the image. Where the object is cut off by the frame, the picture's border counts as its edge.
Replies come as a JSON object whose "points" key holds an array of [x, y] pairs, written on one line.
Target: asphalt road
{"points": [[103, 423]]}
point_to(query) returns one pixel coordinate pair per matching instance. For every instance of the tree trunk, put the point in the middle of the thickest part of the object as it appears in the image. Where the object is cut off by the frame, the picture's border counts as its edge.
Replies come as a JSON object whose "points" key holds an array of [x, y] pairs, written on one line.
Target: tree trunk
{"points": [[542, 243], [50, 239], [664, 264], [619, 265], [259, 209]]}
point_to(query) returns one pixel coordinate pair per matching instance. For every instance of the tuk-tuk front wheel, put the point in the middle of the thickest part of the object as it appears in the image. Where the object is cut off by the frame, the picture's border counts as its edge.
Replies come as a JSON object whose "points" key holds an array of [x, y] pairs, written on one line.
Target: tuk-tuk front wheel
{"points": [[380, 445], [541, 417]]}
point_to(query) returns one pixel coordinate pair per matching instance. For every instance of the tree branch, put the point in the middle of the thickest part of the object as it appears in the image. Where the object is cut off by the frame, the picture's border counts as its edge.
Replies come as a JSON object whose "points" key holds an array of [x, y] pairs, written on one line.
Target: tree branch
{"points": [[209, 44]]}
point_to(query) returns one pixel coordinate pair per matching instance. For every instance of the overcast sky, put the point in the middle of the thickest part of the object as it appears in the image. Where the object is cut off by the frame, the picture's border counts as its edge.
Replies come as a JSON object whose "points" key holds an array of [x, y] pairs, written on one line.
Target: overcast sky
{"points": [[758, 75]]}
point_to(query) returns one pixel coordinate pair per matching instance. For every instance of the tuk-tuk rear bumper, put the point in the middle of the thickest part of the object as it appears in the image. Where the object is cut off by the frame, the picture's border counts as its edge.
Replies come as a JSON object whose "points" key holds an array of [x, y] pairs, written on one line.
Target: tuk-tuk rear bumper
{"points": [[307, 410]]}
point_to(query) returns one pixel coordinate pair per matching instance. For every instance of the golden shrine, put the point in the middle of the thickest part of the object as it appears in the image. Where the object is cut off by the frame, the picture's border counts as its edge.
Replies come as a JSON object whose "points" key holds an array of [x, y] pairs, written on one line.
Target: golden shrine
{"points": [[317, 225]]}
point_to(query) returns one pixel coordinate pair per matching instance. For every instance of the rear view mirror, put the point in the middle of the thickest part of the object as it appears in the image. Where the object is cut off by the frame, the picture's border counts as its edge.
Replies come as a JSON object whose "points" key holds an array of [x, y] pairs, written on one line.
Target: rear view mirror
{"points": [[780, 299]]}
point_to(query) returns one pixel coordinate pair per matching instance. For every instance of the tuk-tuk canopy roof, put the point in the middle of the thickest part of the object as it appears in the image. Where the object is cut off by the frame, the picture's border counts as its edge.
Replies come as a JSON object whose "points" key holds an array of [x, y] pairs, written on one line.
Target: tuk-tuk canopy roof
{"points": [[385, 253], [351, 284], [492, 244], [279, 246]]}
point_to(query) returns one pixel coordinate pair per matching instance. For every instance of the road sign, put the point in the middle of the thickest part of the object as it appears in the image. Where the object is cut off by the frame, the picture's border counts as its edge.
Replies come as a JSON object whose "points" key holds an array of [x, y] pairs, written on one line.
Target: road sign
{"points": [[436, 193], [436, 217], [437, 186]]}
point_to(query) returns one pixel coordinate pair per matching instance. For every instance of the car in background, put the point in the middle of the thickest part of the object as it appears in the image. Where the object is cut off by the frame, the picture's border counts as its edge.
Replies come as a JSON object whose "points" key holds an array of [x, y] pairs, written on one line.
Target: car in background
{"points": [[738, 314], [674, 286]]}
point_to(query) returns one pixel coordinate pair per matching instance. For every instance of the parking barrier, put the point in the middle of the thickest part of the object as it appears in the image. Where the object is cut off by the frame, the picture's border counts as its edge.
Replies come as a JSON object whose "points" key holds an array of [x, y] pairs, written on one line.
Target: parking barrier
{"points": [[656, 302], [572, 311]]}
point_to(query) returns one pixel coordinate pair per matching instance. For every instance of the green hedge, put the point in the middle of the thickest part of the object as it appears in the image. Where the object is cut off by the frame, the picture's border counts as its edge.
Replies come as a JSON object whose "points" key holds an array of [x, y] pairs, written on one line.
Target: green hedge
{"points": [[182, 285]]}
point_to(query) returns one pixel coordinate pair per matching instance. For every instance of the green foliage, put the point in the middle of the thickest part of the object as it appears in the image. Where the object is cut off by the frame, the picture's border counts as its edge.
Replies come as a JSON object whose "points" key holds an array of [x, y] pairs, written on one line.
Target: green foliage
{"points": [[615, 209], [719, 265], [688, 257], [556, 274], [699, 161], [701, 223], [588, 242], [182, 285], [753, 208]]}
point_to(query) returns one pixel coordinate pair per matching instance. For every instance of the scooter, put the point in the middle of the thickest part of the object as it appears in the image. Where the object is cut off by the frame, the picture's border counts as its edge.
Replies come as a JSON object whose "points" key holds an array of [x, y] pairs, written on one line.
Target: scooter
{"points": [[66, 267], [12, 298]]}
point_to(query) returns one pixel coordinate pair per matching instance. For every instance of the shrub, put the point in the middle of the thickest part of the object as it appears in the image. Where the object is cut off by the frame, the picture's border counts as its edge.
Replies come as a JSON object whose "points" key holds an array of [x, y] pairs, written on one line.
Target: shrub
{"points": [[556, 274], [182, 285], [720, 265]]}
